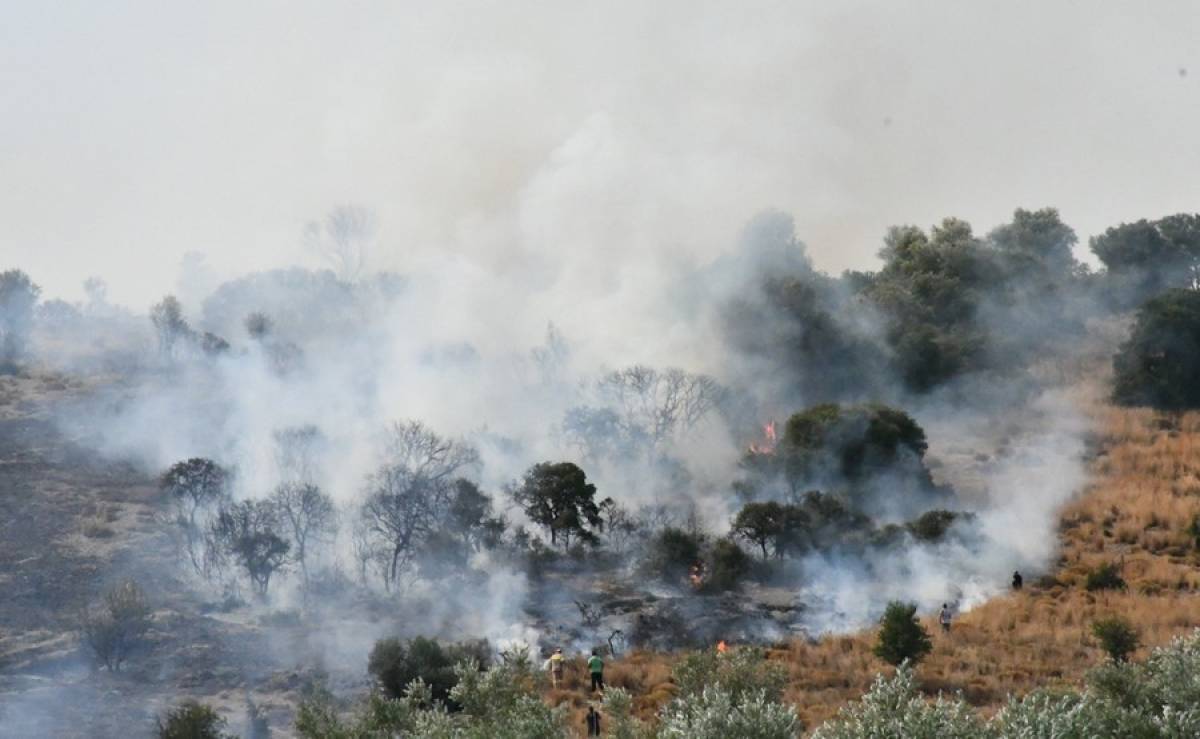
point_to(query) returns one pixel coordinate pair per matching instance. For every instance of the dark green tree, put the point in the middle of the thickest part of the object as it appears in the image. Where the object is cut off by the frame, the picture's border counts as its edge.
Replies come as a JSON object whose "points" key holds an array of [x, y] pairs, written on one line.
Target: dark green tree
{"points": [[929, 289], [901, 635], [671, 554], [1146, 257], [395, 663], [558, 497], [760, 524], [1159, 364], [728, 566], [1117, 637], [192, 720]]}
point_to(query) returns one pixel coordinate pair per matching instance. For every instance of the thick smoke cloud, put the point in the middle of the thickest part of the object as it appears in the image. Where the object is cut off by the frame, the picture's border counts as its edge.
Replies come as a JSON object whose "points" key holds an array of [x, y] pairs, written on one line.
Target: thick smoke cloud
{"points": [[567, 142]]}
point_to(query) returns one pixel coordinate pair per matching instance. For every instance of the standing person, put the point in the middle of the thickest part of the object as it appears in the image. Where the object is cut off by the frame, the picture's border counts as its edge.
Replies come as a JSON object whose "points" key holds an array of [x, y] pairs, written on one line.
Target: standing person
{"points": [[596, 666], [1018, 581], [944, 618], [555, 665], [593, 721]]}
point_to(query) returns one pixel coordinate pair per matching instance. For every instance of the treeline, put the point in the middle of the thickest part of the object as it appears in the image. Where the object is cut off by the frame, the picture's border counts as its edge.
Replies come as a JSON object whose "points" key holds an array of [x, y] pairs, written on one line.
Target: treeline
{"points": [[948, 305]]}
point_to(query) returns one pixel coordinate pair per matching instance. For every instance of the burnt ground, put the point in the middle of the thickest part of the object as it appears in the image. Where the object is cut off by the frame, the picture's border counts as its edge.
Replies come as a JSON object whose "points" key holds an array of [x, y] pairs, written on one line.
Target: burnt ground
{"points": [[71, 525]]}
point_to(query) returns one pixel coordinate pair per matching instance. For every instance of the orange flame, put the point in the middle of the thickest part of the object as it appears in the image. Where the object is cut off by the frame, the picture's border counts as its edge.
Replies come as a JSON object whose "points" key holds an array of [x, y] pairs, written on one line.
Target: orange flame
{"points": [[770, 440], [721, 647]]}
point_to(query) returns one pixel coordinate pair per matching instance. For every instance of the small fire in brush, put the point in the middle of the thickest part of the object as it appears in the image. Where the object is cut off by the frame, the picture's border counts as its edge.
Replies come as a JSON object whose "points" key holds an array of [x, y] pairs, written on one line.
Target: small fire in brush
{"points": [[768, 442], [696, 575]]}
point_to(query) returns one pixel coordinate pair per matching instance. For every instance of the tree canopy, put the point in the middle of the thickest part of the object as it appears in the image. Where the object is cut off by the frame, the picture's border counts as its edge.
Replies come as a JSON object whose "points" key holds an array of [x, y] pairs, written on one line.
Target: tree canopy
{"points": [[1160, 362]]}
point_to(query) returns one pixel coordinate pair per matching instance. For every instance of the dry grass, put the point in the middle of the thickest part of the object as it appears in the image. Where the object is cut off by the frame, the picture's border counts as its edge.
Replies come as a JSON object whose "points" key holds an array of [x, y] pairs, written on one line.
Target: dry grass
{"points": [[1143, 497]]}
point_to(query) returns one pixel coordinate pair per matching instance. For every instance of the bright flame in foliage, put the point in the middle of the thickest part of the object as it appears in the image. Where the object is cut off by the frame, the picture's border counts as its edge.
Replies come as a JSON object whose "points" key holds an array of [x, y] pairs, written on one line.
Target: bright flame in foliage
{"points": [[721, 647], [767, 445]]}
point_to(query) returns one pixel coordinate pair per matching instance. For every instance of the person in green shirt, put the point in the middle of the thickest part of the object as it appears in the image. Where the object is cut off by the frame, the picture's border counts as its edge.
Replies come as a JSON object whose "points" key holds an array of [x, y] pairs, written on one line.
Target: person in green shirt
{"points": [[596, 666]]}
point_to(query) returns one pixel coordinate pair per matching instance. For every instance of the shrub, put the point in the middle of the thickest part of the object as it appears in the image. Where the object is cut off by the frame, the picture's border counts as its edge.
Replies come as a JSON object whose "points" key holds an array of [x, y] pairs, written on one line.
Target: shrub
{"points": [[671, 554], [1117, 637], [713, 714], [618, 710], [116, 628], [192, 720], [932, 526], [901, 637], [729, 565], [395, 664], [1105, 577], [743, 671]]}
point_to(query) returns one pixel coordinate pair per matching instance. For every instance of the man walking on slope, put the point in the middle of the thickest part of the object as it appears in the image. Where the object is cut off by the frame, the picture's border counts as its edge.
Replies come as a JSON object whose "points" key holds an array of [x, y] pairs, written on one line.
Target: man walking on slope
{"points": [[596, 666], [944, 618], [555, 665]]}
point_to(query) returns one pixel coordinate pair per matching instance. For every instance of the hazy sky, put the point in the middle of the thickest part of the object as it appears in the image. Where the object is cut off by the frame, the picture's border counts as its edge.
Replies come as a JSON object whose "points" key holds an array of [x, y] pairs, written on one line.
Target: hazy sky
{"points": [[584, 139]]}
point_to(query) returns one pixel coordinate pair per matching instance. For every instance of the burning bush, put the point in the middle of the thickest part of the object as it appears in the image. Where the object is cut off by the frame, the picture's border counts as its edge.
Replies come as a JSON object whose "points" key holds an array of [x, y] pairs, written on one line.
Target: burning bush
{"points": [[671, 554], [730, 565]]}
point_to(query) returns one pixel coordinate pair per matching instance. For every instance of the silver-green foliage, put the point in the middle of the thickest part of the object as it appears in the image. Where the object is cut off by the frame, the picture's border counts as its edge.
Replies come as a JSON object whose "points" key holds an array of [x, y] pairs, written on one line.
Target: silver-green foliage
{"points": [[893, 708], [735, 694], [715, 714], [1159, 699]]}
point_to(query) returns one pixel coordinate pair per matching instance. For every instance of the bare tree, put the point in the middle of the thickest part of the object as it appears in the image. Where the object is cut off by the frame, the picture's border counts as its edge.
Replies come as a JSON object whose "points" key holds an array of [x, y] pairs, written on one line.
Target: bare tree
{"points": [[410, 493], [641, 409], [343, 239], [551, 357], [298, 451], [248, 532], [308, 516], [195, 488], [116, 628], [660, 403]]}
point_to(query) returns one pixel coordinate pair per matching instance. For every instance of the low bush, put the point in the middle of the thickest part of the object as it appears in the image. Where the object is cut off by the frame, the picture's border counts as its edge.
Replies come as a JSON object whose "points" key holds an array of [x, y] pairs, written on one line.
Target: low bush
{"points": [[1105, 577]]}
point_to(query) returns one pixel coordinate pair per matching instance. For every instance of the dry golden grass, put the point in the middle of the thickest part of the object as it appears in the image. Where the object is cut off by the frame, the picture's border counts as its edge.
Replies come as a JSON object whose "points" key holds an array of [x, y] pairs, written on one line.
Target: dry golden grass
{"points": [[1136, 512]]}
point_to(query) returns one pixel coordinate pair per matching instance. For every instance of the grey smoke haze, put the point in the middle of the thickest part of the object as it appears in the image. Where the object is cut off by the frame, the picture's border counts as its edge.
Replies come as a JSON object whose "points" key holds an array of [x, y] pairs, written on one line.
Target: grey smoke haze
{"points": [[571, 144]]}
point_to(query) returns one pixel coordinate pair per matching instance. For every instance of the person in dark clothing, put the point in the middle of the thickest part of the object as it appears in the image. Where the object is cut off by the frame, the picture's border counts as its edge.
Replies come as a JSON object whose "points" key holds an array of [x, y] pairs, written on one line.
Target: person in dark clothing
{"points": [[593, 721], [1018, 581]]}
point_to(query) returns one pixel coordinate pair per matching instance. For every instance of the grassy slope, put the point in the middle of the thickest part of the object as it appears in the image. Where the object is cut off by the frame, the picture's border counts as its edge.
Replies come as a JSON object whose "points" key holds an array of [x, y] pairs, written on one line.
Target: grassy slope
{"points": [[1142, 498]]}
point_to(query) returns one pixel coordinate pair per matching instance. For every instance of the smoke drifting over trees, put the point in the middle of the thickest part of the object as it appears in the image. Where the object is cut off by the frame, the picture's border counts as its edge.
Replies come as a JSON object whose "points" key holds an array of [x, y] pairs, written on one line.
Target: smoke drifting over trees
{"points": [[899, 435]]}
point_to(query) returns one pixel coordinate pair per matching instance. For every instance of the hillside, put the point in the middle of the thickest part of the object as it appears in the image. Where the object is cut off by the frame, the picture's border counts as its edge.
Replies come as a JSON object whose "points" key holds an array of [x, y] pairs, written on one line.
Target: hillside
{"points": [[1137, 512]]}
